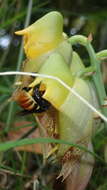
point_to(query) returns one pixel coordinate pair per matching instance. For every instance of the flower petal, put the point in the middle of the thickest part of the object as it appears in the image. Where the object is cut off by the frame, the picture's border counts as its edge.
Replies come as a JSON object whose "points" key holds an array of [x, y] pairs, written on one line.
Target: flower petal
{"points": [[44, 35], [55, 93]]}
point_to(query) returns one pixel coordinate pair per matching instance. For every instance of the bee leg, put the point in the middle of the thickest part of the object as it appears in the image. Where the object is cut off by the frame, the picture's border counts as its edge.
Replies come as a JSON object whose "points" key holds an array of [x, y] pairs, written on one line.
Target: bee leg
{"points": [[39, 110], [25, 112], [26, 89], [52, 151]]}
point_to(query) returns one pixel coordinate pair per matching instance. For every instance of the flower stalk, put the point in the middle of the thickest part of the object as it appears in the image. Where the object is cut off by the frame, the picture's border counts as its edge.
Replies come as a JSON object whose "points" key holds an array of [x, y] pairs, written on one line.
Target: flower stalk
{"points": [[95, 63]]}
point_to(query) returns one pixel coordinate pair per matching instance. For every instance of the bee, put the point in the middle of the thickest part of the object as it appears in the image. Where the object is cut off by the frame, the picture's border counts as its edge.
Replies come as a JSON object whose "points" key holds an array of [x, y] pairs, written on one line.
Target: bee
{"points": [[31, 100]]}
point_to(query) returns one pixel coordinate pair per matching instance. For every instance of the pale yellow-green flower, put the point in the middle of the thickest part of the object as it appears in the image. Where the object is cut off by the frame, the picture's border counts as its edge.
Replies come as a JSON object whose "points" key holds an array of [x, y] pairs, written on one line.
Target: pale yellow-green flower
{"points": [[41, 39], [48, 52], [44, 35]]}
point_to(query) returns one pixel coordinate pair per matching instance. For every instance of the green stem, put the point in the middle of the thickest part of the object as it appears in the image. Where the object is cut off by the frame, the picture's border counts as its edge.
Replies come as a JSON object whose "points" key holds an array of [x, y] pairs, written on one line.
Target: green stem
{"points": [[97, 77], [20, 58], [102, 54], [23, 162], [94, 60], [27, 20]]}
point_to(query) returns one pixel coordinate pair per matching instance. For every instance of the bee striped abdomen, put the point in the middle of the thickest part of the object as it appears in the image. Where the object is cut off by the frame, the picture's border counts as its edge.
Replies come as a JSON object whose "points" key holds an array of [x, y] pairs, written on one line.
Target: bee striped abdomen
{"points": [[25, 100], [31, 100]]}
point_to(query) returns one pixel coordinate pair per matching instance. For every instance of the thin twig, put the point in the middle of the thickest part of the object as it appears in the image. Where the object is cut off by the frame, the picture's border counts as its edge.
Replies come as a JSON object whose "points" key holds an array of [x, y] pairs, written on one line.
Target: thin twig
{"points": [[61, 82], [14, 173]]}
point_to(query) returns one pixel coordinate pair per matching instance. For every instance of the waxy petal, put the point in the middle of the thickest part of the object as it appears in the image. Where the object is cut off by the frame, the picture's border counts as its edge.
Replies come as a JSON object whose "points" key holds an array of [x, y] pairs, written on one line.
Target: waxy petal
{"points": [[55, 93], [44, 35], [76, 116]]}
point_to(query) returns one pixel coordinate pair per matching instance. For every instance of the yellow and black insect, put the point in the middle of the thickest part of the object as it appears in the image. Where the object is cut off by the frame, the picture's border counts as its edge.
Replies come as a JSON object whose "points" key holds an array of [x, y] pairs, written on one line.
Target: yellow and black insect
{"points": [[31, 102]]}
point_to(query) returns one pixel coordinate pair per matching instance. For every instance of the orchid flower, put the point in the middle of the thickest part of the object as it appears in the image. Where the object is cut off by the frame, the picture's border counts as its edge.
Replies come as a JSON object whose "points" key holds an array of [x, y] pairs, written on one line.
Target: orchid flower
{"points": [[49, 52], [43, 38]]}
